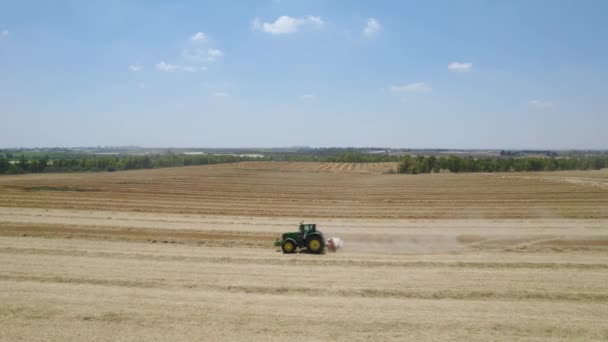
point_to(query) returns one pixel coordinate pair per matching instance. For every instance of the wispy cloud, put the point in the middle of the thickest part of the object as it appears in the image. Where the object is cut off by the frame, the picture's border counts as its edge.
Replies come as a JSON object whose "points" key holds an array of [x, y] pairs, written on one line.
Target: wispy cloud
{"points": [[202, 55], [286, 24], [212, 54], [460, 67], [196, 54], [219, 94], [541, 104], [372, 27], [418, 87], [199, 37], [166, 67], [135, 67], [307, 97], [315, 20], [162, 66], [3, 33]]}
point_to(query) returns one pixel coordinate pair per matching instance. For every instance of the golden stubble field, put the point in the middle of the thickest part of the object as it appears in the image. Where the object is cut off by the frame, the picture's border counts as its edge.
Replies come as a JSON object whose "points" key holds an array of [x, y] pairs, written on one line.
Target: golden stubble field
{"points": [[186, 254]]}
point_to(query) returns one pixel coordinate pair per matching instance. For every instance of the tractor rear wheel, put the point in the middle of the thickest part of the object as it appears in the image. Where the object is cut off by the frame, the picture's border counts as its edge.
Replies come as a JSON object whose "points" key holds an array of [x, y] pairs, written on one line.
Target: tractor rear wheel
{"points": [[314, 244], [288, 247]]}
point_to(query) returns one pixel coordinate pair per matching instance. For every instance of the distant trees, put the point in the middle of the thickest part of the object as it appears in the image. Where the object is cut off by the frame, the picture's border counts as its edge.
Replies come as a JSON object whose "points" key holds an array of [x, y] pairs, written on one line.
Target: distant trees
{"points": [[456, 164], [110, 163], [4, 164], [22, 165], [406, 164], [421, 164]]}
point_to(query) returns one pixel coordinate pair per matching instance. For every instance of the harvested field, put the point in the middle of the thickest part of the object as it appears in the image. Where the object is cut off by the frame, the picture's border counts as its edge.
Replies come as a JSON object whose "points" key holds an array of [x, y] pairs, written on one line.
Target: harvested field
{"points": [[321, 167], [236, 190], [186, 254]]}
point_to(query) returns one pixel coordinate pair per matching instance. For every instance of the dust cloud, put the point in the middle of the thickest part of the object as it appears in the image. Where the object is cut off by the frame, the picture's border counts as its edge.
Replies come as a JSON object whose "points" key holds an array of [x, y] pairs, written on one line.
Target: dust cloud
{"points": [[403, 244]]}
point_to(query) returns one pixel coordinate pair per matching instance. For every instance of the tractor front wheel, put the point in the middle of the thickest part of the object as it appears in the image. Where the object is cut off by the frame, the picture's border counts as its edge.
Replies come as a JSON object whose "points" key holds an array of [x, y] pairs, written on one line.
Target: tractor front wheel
{"points": [[288, 247], [314, 245]]}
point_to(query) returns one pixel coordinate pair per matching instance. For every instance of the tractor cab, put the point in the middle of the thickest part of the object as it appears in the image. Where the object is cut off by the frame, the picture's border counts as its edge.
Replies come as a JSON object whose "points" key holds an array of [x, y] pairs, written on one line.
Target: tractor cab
{"points": [[306, 229]]}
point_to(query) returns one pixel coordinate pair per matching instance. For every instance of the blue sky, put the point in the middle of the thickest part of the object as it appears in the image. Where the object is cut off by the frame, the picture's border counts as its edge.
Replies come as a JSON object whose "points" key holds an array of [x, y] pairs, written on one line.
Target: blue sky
{"points": [[425, 74]]}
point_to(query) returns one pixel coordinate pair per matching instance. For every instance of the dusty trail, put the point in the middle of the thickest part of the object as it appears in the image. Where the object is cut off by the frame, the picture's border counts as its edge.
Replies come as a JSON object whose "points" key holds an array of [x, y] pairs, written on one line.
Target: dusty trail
{"points": [[186, 254]]}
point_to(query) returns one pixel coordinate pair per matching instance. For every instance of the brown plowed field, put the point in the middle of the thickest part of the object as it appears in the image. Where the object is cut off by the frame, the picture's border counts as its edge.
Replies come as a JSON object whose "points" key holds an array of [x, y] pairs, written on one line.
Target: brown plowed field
{"points": [[186, 254], [245, 190]]}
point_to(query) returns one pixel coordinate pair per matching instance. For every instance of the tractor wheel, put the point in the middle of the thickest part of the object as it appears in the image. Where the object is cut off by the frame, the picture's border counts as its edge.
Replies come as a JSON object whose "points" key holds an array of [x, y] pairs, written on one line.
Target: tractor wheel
{"points": [[288, 247], [314, 245]]}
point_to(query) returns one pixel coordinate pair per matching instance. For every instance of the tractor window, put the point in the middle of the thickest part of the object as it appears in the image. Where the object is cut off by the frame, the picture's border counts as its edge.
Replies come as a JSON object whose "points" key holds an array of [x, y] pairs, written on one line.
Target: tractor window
{"points": [[305, 229]]}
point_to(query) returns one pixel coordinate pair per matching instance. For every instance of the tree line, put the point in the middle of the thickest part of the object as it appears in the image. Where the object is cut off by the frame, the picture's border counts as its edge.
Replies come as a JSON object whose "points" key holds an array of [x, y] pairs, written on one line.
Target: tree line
{"points": [[111, 163], [422, 164], [406, 164]]}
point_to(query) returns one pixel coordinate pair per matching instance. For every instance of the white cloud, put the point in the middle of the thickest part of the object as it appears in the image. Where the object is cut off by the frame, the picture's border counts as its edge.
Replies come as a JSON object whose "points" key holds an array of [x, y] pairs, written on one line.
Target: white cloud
{"points": [[4, 33], [307, 97], [286, 24], [282, 25], [372, 27], [212, 54], [418, 87], [162, 66], [199, 37], [315, 20], [541, 104], [166, 67], [460, 67], [202, 55], [203, 68], [219, 94], [135, 67]]}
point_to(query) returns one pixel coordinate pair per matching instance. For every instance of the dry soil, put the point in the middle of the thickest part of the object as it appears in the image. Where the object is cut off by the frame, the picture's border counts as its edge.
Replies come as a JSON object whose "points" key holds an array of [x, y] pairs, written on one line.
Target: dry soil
{"points": [[186, 254]]}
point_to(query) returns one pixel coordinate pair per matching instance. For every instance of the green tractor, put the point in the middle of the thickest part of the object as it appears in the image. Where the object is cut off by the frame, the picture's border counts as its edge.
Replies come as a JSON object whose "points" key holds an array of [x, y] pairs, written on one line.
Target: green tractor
{"points": [[307, 238]]}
